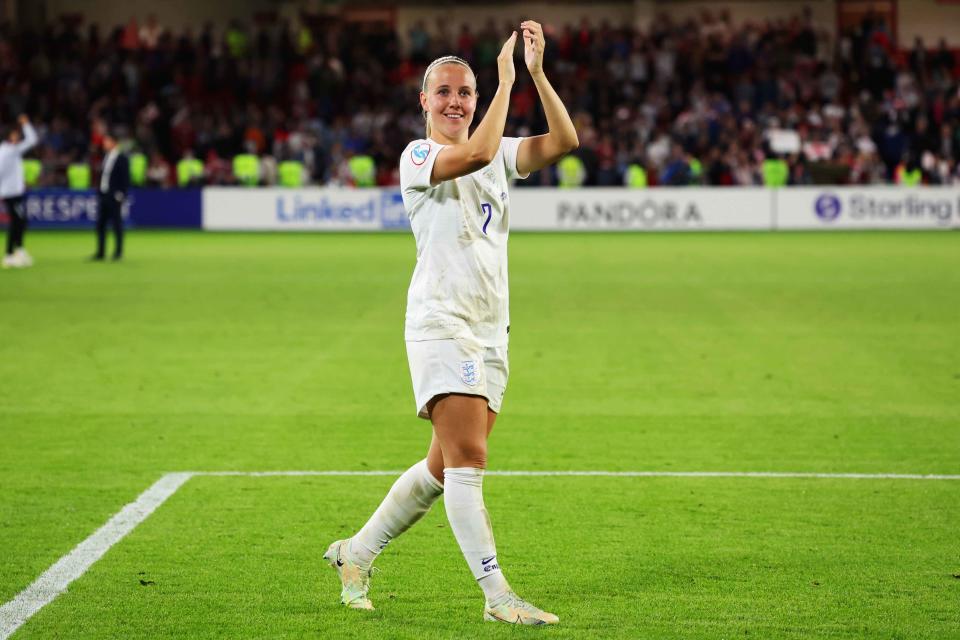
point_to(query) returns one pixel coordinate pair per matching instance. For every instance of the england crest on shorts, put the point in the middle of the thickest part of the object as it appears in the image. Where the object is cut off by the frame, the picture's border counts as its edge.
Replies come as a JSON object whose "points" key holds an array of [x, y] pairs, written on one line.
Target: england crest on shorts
{"points": [[469, 373]]}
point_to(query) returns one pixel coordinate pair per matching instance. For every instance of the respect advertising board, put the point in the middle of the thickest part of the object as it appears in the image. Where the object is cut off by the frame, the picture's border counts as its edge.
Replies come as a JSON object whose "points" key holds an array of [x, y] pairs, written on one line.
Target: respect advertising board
{"points": [[878, 207], [325, 209], [660, 209], [71, 209]]}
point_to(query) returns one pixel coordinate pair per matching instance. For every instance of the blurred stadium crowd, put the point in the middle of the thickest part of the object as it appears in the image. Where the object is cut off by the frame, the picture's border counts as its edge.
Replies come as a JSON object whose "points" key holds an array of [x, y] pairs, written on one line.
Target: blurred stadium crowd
{"points": [[693, 102]]}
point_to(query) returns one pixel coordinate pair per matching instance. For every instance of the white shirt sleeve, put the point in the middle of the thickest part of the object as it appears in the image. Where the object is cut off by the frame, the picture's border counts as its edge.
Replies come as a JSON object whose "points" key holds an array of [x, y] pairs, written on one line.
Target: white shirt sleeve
{"points": [[510, 147], [29, 139], [6, 155], [416, 165]]}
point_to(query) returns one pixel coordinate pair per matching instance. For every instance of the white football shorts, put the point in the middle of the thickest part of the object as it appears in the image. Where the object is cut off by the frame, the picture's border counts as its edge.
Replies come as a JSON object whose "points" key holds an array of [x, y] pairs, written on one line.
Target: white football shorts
{"points": [[455, 365]]}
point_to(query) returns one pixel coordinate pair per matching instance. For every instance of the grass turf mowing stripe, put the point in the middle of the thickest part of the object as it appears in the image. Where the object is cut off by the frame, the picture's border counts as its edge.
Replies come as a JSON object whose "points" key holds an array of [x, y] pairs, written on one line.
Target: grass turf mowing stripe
{"points": [[55, 580], [58, 577]]}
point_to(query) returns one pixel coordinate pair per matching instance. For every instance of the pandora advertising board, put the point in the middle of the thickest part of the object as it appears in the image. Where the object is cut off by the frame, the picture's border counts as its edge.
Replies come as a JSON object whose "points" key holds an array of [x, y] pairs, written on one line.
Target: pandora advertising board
{"points": [[661, 209]]}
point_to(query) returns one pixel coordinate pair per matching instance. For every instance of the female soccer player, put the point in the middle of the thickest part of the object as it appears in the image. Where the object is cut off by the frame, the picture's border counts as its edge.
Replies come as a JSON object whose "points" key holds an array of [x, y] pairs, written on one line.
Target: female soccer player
{"points": [[455, 190]]}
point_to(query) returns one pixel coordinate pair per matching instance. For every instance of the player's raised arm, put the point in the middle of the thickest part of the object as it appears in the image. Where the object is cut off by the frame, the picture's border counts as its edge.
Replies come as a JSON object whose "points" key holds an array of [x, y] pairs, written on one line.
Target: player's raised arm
{"points": [[29, 135], [460, 159], [539, 151]]}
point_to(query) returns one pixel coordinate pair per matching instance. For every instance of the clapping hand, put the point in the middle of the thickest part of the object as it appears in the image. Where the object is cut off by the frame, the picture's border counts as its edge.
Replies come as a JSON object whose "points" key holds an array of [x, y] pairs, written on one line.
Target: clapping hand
{"points": [[505, 61], [533, 45]]}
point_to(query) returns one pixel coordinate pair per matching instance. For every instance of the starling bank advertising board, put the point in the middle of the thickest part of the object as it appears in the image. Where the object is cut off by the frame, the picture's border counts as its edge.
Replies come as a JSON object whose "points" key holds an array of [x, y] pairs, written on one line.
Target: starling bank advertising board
{"points": [[868, 208]]}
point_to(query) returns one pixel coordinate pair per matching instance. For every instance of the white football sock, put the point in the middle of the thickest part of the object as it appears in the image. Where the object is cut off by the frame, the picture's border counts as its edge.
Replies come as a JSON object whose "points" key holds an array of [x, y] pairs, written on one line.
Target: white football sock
{"points": [[408, 500], [463, 498]]}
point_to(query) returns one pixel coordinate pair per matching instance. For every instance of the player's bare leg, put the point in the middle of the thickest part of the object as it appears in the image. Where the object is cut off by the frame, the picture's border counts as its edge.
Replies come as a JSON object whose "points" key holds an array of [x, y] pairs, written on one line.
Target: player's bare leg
{"points": [[461, 424], [435, 453]]}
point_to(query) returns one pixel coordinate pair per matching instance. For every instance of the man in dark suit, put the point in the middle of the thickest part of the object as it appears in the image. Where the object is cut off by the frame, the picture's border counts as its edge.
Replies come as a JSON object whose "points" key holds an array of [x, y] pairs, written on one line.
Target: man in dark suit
{"points": [[114, 183]]}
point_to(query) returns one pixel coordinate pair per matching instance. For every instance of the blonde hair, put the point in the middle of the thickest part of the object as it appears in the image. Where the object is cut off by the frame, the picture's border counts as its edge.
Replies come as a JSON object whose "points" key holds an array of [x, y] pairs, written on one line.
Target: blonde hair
{"points": [[426, 74]]}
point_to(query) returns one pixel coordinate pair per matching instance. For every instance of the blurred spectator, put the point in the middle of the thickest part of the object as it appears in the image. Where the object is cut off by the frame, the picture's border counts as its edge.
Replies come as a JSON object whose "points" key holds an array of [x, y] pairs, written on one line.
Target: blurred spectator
{"points": [[150, 33], [677, 171], [678, 94], [216, 169], [158, 172], [189, 171]]}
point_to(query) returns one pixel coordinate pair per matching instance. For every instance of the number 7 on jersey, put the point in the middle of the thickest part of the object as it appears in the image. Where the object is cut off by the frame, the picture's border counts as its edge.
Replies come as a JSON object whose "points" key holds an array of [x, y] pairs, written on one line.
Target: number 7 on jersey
{"points": [[488, 212]]}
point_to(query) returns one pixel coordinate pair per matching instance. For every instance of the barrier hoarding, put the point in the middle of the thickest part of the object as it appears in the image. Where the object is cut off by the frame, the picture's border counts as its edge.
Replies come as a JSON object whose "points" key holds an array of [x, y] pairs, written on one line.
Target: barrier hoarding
{"points": [[868, 208], [532, 209], [66, 209], [660, 209], [318, 209]]}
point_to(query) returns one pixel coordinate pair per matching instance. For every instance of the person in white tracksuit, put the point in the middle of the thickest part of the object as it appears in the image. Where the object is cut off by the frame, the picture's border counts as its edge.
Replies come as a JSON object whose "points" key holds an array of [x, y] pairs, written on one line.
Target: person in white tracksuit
{"points": [[12, 148], [455, 188]]}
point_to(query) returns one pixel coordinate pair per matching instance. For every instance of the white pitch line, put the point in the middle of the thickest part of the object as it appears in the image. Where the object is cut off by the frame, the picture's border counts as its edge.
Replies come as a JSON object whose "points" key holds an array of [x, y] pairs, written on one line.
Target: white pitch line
{"points": [[733, 474], [55, 580], [263, 474], [58, 577], [615, 474]]}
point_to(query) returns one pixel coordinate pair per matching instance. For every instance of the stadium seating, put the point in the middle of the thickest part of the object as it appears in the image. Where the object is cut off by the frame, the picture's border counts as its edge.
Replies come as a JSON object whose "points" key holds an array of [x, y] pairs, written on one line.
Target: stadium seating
{"points": [[697, 101]]}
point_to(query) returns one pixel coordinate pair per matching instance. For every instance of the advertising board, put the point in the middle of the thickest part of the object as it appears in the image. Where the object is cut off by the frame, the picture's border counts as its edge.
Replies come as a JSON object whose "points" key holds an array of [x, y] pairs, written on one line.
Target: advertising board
{"points": [[661, 209], [69, 209], [880, 207], [318, 209]]}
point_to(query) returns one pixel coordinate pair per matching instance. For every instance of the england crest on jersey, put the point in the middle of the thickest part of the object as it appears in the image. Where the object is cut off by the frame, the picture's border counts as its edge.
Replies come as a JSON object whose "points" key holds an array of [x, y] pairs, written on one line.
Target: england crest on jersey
{"points": [[419, 153], [469, 372]]}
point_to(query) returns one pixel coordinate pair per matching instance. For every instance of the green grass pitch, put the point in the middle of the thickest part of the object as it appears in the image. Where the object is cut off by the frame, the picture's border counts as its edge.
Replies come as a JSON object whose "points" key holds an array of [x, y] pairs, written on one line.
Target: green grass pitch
{"points": [[730, 352]]}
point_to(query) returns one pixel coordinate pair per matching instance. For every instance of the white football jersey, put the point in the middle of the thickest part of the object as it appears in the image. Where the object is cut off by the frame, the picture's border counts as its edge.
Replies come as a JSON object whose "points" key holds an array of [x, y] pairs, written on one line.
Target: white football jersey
{"points": [[11, 163], [459, 286]]}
